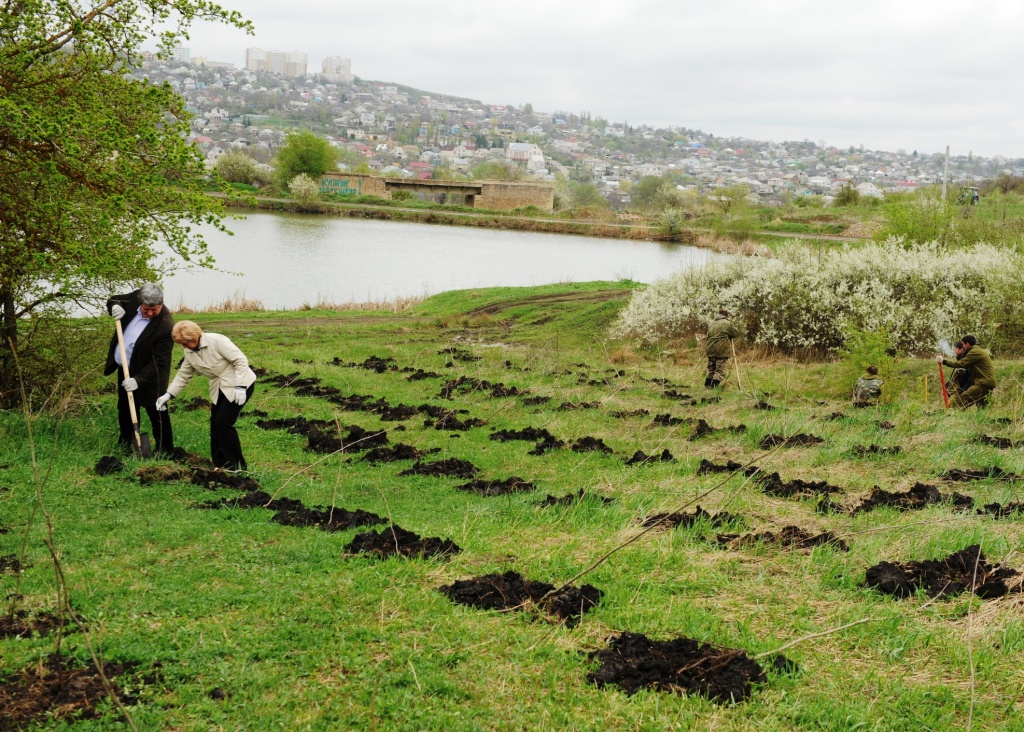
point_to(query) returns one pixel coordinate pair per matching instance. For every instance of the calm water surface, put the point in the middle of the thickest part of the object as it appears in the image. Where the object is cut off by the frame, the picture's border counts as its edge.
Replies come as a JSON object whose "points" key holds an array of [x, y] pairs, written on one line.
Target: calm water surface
{"points": [[287, 260]]}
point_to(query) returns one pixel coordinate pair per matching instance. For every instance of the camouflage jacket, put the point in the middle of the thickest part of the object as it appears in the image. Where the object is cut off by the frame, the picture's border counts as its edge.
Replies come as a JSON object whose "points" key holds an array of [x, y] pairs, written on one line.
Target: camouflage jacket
{"points": [[868, 389], [720, 333], [978, 363]]}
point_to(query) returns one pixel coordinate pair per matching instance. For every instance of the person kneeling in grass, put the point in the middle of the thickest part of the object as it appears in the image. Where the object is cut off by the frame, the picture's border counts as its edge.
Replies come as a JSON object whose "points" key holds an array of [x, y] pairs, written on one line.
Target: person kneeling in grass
{"points": [[977, 361], [868, 389], [232, 383]]}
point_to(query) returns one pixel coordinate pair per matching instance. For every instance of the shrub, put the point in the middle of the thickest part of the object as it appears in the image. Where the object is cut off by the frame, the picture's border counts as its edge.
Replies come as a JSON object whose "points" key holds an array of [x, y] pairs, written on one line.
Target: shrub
{"points": [[306, 192], [803, 301]]}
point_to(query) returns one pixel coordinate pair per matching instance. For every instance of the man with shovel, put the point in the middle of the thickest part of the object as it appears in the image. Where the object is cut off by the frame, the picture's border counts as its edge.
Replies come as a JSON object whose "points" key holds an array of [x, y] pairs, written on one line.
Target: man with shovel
{"points": [[146, 326], [977, 361]]}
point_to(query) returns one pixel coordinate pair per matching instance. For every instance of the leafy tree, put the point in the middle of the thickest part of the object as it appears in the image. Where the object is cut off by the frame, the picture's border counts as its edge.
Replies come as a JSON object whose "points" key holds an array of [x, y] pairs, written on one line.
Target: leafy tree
{"points": [[351, 158], [527, 108], [95, 165], [237, 167], [729, 198], [304, 152], [645, 191], [305, 191], [847, 196], [497, 170]]}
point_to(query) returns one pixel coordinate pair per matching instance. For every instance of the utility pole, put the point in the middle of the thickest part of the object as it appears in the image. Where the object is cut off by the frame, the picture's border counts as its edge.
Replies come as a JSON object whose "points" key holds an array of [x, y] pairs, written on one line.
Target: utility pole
{"points": [[945, 175]]}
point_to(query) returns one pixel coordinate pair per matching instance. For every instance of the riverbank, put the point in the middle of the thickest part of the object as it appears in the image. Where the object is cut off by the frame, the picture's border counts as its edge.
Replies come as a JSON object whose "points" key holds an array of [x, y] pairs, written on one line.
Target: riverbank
{"points": [[635, 228], [505, 424]]}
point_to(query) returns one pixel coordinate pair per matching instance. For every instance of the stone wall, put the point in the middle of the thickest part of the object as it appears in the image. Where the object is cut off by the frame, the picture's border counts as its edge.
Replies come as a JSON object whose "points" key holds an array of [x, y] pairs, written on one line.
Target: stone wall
{"points": [[496, 195], [353, 185], [504, 195]]}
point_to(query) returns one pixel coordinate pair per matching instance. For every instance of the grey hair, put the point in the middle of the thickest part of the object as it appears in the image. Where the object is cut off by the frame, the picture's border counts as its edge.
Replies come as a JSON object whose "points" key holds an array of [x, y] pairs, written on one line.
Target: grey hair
{"points": [[151, 294]]}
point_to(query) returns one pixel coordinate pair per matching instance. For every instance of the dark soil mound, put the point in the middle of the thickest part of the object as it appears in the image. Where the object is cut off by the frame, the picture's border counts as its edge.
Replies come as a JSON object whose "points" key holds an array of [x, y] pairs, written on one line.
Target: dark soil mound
{"points": [[835, 417], [355, 440], [548, 443], [511, 591], [872, 449], [1003, 421], [444, 419], [420, 375], [458, 354], [398, 412], [765, 406], [703, 429], [571, 407], [577, 497], [295, 425], [391, 454], [183, 457], [689, 520], [535, 400], [828, 507], [962, 476], [886, 426], [667, 420], [686, 399], [632, 661], [396, 540], [465, 384], [108, 464], [498, 487], [211, 479], [799, 440], [151, 474], [527, 434], [452, 467], [707, 467], [916, 498], [792, 536], [57, 689], [23, 625], [327, 519], [773, 485], [1003, 443], [963, 571], [1004, 510], [10, 563], [194, 404], [631, 413], [640, 457], [590, 444], [254, 499], [373, 363]]}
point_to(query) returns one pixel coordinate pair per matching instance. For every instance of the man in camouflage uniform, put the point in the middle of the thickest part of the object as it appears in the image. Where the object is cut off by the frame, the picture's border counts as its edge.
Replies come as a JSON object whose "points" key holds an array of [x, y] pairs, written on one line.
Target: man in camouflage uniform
{"points": [[977, 361], [718, 347], [868, 390]]}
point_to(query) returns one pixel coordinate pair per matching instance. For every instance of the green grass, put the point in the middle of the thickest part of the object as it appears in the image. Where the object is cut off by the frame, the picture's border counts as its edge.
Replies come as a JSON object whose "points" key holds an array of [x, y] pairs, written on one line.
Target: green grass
{"points": [[300, 637]]}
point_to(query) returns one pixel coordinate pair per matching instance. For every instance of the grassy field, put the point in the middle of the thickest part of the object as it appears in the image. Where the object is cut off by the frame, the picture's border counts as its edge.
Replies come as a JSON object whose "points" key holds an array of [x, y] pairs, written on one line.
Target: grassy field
{"points": [[240, 623]]}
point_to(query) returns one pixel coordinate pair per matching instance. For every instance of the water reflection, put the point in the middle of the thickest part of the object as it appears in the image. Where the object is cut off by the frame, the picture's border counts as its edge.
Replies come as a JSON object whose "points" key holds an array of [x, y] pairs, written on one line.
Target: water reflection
{"points": [[287, 260]]}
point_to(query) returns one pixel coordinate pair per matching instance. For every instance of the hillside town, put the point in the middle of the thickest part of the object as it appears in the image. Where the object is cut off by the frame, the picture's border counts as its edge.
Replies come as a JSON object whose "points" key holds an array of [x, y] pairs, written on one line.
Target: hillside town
{"points": [[401, 132]]}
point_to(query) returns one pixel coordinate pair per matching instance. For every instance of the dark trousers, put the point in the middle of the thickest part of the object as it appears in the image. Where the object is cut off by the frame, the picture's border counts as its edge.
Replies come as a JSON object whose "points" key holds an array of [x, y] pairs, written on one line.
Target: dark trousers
{"points": [[225, 447], [159, 422]]}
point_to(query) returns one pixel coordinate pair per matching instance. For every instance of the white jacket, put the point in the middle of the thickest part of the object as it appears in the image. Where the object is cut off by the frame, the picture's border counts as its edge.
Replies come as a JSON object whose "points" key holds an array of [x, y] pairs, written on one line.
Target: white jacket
{"points": [[219, 360]]}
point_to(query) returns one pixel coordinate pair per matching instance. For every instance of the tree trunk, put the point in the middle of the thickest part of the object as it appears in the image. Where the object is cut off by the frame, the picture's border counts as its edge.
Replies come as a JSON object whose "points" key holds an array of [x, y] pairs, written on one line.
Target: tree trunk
{"points": [[10, 394]]}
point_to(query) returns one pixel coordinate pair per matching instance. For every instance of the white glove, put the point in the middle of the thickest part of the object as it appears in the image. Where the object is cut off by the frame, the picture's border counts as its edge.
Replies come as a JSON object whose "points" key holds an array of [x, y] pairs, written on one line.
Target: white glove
{"points": [[117, 311], [130, 384], [161, 402], [239, 395]]}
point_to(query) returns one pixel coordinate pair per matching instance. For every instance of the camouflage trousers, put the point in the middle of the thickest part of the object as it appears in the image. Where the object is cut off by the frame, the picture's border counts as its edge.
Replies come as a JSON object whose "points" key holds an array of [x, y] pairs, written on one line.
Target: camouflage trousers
{"points": [[718, 370], [973, 396]]}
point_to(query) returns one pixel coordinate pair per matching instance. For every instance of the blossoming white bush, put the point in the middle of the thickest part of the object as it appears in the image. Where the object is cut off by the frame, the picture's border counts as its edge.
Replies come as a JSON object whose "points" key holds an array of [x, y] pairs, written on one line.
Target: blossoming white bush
{"points": [[807, 300]]}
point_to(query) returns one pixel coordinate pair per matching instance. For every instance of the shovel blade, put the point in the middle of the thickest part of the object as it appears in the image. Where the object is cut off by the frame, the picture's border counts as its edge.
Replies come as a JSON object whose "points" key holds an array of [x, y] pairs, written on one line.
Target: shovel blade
{"points": [[141, 446]]}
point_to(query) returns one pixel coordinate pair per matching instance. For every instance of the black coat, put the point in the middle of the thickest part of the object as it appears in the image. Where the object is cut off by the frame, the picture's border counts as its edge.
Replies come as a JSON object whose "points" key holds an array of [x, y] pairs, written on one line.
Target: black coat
{"points": [[150, 363]]}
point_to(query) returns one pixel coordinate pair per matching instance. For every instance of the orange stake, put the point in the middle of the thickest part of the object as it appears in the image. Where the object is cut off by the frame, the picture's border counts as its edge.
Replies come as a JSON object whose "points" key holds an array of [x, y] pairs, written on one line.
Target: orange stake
{"points": [[942, 380]]}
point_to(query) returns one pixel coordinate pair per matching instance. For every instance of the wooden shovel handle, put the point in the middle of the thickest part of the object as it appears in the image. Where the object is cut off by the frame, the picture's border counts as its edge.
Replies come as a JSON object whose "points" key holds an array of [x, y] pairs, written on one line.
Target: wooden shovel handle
{"points": [[131, 397]]}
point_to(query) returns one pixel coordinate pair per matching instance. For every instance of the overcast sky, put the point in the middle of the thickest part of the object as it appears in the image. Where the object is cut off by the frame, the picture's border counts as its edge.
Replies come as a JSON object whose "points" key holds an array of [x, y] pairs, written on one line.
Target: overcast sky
{"points": [[892, 74]]}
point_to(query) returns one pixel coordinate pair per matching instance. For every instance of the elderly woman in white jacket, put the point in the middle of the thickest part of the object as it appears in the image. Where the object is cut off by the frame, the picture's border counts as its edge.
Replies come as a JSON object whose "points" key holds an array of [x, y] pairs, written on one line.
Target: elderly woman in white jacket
{"points": [[231, 384]]}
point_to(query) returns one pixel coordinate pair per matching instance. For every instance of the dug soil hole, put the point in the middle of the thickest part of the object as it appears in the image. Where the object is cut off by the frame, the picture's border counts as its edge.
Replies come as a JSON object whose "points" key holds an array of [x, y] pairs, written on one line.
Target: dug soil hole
{"points": [[511, 591]]}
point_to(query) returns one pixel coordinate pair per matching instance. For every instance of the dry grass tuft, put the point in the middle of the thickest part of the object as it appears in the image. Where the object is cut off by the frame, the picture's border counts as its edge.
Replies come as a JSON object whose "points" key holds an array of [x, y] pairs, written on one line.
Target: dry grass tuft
{"points": [[724, 245], [237, 303], [396, 305], [623, 355]]}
